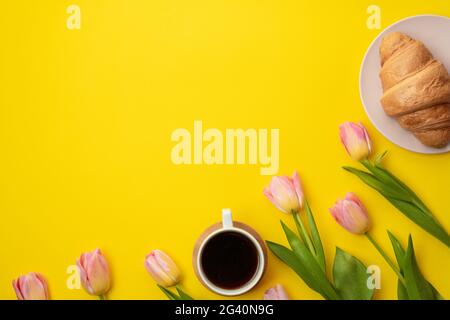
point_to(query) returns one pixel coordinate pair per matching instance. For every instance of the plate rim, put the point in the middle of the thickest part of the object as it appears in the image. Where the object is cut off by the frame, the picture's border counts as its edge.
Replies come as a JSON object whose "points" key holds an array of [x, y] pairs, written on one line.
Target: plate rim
{"points": [[442, 151]]}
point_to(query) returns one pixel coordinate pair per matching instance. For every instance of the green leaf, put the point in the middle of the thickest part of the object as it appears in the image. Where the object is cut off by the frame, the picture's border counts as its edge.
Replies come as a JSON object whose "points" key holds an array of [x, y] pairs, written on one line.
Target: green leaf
{"points": [[416, 286], [402, 294], [315, 272], [406, 201], [350, 277], [315, 237], [407, 189], [169, 294], [378, 185], [290, 259], [383, 176], [424, 221], [299, 227], [183, 295], [398, 250], [400, 255], [380, 157]]}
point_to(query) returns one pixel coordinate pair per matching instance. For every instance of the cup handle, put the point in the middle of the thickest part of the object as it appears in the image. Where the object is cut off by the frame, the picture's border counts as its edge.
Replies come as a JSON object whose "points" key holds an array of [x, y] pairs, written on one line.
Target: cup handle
{"points": [[227, 219]]}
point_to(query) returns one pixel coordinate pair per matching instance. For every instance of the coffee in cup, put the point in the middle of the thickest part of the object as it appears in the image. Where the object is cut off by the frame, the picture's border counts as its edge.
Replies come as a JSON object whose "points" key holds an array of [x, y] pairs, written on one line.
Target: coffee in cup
{"points": [[229, 257]]}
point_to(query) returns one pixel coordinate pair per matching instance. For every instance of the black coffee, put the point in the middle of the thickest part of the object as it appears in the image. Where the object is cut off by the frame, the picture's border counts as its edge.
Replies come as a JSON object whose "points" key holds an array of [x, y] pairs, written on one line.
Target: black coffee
{"points": [[229, 260]]}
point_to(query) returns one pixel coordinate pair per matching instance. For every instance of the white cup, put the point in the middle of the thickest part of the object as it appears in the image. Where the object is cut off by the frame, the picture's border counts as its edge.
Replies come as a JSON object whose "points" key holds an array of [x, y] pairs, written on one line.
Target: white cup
{"points": [[228, 225]]}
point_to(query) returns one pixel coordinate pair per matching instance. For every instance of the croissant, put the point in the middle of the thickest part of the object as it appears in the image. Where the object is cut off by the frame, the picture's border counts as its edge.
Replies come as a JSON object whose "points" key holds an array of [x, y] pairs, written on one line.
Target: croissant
{"points": [[416, 89]]}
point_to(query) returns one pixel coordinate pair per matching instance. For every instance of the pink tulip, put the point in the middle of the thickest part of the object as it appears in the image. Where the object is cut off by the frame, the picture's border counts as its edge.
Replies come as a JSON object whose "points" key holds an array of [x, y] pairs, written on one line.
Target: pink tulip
{"points": [[356, 140], [162, 268], [31, 286], [351, 214], [276, 293], [94, 273], [285, 193]]}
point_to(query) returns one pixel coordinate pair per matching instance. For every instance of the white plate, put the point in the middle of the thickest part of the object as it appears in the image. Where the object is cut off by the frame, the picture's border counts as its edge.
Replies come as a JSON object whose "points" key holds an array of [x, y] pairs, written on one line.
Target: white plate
{"points": [[434, 32]]}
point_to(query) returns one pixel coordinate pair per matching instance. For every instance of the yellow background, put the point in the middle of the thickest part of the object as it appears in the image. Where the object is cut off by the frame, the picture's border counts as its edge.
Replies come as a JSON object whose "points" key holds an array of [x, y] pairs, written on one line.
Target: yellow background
{"points": [[86, 117]]}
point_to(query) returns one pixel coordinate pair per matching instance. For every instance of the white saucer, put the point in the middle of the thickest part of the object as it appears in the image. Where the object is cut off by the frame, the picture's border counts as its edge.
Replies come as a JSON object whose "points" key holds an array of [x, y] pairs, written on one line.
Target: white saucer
{"points": [[434, 32]]}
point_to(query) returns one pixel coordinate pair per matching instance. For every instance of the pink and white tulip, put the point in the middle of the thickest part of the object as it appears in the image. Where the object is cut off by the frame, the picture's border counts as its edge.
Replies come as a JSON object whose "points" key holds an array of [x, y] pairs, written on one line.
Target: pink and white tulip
{"points": [[356, 140], [276, 293], [31, 286], [285, 193], [94, 273], [162, 268], [351, 214]]}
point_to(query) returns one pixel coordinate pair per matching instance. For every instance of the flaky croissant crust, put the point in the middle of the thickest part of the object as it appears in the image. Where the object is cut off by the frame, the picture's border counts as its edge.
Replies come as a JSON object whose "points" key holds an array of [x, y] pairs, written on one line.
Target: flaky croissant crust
{"points": [[416, 89]]}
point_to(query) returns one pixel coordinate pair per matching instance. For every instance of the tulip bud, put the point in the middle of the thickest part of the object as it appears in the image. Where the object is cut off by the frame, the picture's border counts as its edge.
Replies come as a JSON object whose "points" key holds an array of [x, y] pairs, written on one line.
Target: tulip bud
{"points": [[351, 214], [285, 193], [356, 140], [94, 273], [162, 268], [276, 293], [31, 286]]}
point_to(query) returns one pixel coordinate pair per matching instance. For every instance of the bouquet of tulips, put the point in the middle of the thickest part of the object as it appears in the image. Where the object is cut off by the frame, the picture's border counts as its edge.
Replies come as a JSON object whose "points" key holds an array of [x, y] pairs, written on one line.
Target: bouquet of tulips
{"points": [[350, 280], [411, 283], [358, 145], [306, 255]]}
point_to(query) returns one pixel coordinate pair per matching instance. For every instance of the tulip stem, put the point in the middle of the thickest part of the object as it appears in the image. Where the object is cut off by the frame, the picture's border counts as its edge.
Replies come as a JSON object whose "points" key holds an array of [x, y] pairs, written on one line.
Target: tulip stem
{"points": [[305, 233], [102, 297], [386, 257]]}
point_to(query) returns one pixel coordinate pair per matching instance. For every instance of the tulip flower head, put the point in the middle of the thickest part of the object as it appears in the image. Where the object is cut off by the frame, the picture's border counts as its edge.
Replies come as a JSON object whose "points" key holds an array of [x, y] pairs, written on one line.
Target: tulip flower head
{"points": [[351, 214], [356, 140], [276, 293], [285, 193], [94, 273], [162, 268], [31, 286]]}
